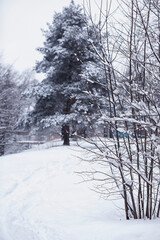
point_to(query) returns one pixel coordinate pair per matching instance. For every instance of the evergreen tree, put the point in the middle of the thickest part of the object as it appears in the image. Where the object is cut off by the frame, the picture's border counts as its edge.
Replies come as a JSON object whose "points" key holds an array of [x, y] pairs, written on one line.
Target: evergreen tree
{"points": [[61, 97]]}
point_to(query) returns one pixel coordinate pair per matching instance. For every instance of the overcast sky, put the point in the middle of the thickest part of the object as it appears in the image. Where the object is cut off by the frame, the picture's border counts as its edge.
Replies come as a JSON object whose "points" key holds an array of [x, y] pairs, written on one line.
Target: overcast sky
{"points": [[20, 28]]}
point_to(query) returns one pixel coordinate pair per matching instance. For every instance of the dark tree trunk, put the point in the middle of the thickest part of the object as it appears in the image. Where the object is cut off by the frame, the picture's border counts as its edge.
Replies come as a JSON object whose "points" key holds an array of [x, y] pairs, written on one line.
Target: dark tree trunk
{"points": [[65, 127], [2, 144], [65, 134]]}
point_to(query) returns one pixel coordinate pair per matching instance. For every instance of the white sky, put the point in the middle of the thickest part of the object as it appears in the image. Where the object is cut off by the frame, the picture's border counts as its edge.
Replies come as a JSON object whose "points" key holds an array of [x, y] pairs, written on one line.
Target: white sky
{"points": [[20, 28]]}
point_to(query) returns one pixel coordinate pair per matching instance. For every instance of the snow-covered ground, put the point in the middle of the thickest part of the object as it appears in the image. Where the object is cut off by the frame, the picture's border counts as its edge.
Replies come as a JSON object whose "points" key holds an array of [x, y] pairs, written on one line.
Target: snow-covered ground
{"points": [[41, 199]]}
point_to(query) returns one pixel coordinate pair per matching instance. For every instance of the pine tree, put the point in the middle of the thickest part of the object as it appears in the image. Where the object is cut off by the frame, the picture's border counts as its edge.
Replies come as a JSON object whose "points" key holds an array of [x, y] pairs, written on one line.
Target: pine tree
{"points": [[60, 97]]}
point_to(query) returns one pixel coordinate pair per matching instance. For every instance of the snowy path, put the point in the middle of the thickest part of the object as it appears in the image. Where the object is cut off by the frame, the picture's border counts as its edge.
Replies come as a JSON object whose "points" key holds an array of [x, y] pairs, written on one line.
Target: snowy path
{"points": [[41, 200]]}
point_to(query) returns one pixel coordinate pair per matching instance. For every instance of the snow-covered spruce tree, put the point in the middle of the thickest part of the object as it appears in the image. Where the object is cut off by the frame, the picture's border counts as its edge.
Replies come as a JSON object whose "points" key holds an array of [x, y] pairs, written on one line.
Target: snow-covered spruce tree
{"points": [[128, 164], [60, 97]]}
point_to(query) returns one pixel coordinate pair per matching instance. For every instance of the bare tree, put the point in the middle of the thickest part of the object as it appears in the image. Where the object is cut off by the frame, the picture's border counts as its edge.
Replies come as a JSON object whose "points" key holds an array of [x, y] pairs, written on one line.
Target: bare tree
{"points": [[12, 105], [127, 162]]}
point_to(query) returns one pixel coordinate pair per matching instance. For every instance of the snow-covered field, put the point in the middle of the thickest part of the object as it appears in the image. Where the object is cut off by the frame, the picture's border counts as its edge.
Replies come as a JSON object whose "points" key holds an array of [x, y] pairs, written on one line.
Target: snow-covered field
{"points": [[41, 199]]}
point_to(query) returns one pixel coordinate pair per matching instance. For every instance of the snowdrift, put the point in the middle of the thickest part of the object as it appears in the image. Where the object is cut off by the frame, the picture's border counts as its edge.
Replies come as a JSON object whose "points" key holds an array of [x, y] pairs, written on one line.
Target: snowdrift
{"points": [[41, 198]]}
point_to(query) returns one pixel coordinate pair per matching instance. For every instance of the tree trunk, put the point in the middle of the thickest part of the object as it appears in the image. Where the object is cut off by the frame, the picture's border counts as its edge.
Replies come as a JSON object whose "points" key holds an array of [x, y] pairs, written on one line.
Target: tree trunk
{"points": [[65, 126], [65, 134], [2, 144]]}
